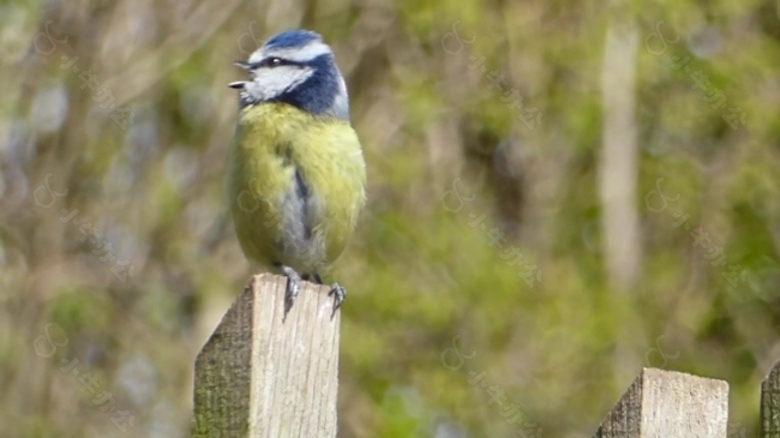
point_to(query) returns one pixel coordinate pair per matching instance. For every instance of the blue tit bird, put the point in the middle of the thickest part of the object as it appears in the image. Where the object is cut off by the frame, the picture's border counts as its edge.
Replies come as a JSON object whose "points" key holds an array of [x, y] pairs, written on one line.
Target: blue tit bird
{"points": [[296, 175]]}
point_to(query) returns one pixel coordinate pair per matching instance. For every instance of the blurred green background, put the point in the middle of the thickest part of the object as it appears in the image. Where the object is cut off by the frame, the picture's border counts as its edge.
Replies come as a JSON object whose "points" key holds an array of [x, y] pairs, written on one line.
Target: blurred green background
{"points": [[463, 178]]}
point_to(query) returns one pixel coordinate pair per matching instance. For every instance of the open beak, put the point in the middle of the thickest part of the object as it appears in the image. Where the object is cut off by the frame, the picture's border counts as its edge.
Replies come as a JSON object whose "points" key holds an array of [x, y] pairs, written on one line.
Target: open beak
{"points": [[239, 85]]}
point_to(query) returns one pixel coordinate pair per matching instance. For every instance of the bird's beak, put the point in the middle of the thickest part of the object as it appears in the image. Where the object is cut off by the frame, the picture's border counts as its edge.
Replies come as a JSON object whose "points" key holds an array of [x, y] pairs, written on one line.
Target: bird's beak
{"points": [[239, 85]]}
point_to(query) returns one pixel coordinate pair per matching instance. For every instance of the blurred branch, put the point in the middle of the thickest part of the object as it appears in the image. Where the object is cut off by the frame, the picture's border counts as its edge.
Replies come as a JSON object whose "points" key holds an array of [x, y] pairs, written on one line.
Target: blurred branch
{"points": [[618, 165], [154, 65]]}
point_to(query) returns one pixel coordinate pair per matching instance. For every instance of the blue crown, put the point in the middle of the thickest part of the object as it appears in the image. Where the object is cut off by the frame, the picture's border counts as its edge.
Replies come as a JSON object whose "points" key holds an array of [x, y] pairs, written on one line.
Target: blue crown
{"points": [[292, 38]]}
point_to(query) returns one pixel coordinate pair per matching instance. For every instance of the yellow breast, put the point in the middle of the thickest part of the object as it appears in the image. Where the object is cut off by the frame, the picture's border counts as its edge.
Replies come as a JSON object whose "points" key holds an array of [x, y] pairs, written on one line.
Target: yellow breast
{"points": [[295, 185]]}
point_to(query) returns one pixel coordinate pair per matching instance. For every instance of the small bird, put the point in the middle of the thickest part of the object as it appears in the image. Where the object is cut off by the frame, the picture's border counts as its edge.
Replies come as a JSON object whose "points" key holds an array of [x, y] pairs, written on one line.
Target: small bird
{"points": [[296, 175]]}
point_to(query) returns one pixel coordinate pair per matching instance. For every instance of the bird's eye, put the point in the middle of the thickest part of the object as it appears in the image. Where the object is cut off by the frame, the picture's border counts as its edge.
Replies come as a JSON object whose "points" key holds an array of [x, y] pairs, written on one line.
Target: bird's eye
{"points": [[272, 62]]}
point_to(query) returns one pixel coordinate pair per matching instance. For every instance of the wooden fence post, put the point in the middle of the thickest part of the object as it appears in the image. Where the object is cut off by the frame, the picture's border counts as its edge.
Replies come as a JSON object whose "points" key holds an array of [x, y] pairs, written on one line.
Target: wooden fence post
{"points": [[258, 376], [770, 404], [668, 404]]}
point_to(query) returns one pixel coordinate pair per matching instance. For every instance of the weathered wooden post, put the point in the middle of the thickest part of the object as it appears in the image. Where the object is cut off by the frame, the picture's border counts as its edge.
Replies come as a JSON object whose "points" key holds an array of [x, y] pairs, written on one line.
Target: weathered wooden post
{"points": [[259, 376], [668, 404], [770, 404]]}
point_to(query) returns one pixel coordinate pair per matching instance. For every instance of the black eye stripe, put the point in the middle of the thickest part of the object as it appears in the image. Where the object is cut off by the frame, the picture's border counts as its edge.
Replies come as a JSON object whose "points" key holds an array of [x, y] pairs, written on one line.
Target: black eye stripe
{"points": [[272, 62]]}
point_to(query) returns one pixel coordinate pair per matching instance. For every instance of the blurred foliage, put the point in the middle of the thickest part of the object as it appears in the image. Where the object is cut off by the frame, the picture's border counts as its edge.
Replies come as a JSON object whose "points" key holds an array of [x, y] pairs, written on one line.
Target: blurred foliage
{"points": [[418, 273]]}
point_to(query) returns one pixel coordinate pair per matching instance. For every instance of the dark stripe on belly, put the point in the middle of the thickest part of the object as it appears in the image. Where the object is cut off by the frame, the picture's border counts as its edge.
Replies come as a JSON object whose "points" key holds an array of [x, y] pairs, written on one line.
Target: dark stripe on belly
{"points": [[302, 192]]}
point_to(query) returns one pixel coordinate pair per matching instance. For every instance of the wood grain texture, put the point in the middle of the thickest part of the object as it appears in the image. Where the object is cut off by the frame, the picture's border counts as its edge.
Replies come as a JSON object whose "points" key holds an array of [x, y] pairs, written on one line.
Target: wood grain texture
{"points": [[770, 404], [668, 404], [259, 376]]}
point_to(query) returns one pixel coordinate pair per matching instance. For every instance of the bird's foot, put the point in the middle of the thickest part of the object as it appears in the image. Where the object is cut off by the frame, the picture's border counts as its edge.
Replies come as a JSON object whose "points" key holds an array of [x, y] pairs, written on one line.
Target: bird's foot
{"points": [[337, 291], [293, 287], [339, 295]]}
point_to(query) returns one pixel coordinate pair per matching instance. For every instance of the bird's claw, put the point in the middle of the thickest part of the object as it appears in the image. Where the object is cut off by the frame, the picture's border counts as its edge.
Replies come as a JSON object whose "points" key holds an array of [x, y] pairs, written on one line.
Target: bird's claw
{"points": [[339, 295], [337, 291], [292, 289]]}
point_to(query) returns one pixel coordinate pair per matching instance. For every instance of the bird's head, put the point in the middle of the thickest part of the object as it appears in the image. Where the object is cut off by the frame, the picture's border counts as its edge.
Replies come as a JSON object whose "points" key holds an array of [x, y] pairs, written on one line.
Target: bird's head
{"points": [[298, 68]]}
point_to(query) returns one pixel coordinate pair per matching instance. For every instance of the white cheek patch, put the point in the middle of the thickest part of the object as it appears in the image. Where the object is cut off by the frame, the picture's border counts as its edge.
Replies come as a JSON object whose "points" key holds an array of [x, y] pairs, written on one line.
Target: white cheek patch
{"points": [[272, 82]]}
